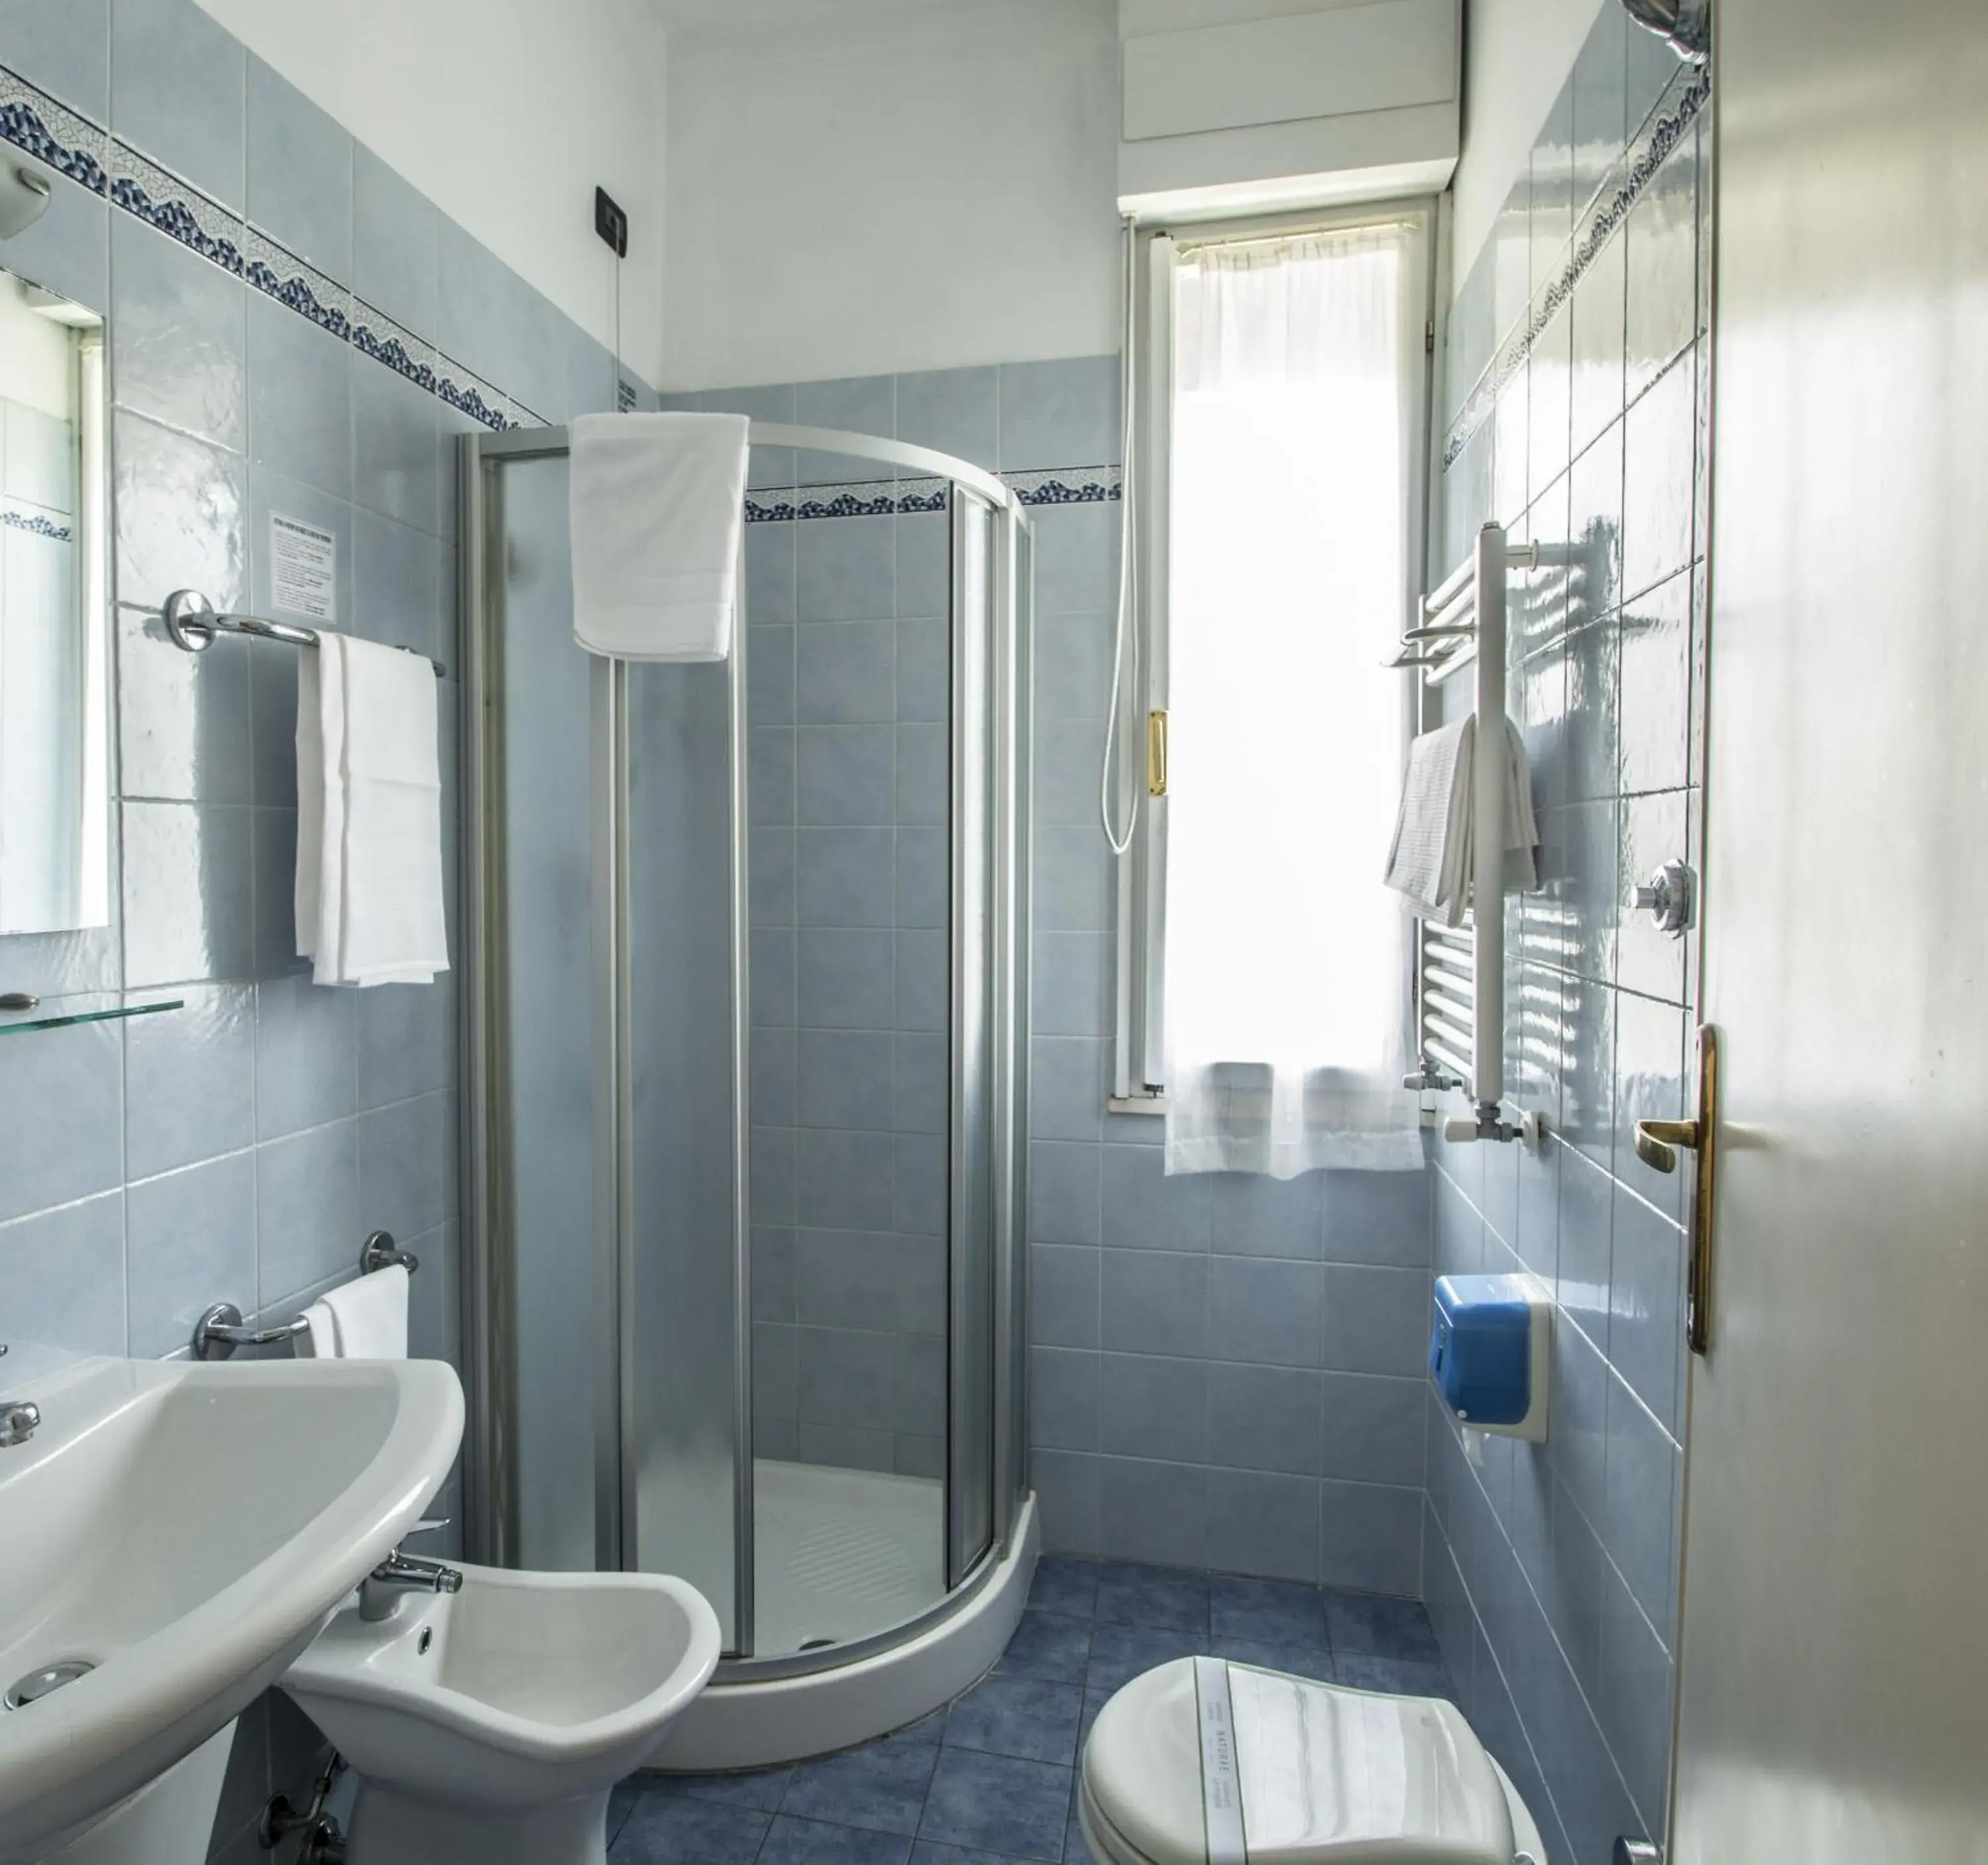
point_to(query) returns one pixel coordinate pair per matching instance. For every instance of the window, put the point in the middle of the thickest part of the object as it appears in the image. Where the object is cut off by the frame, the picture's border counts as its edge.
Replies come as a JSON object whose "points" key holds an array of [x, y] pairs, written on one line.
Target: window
{"points": [[1277, 538]]}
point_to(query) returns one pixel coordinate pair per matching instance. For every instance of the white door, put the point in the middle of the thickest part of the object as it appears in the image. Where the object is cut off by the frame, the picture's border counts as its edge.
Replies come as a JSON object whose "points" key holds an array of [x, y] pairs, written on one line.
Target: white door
{"points": [[1833, 1663]]}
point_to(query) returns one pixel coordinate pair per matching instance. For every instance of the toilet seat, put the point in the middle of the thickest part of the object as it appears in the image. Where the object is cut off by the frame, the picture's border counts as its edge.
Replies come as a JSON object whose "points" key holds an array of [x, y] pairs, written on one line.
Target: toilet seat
{"points": [[1326, 1775]]}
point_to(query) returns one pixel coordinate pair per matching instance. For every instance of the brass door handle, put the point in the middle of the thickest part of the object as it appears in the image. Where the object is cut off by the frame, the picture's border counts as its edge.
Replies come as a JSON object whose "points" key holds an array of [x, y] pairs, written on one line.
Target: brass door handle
{"points": [[1658, 1142], [1657, 1145]]}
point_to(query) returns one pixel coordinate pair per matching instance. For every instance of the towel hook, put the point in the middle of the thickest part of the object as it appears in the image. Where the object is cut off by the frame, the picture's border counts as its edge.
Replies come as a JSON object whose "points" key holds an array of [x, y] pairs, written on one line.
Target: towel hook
{"points": [[379, 1251]]}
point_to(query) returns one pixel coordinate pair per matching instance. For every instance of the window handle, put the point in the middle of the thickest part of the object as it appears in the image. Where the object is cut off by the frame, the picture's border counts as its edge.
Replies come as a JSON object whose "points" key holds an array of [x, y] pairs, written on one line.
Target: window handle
{"points": [[1156, 754]]}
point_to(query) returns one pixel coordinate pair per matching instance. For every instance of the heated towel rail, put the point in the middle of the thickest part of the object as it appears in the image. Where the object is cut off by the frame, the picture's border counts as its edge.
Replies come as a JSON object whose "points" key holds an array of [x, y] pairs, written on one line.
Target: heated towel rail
{"points": [[1459, 980]]}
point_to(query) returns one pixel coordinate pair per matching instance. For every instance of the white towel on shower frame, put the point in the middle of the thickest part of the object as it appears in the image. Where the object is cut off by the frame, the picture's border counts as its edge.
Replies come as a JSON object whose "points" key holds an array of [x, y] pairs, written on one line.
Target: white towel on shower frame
{"points": [[658, 510]]}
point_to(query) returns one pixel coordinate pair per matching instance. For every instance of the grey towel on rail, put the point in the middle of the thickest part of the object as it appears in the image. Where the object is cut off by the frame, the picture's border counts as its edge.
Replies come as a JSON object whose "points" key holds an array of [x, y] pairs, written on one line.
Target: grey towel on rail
{"points": [[1430, 861]]}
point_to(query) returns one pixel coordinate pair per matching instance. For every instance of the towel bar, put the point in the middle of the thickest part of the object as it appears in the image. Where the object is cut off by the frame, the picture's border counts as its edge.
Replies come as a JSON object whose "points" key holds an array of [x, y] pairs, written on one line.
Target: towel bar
{"points": [[221, 1330], [192, 624]]}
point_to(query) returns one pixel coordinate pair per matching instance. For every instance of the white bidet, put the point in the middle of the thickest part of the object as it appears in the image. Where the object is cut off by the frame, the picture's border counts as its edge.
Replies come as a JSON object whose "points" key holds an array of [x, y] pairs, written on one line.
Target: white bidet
{"points": [[487, 1726]]}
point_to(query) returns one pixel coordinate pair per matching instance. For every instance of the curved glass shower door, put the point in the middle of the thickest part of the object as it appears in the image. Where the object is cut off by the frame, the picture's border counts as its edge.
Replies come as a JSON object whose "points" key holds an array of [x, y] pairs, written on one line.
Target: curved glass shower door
{"points": [[743, 1158]]}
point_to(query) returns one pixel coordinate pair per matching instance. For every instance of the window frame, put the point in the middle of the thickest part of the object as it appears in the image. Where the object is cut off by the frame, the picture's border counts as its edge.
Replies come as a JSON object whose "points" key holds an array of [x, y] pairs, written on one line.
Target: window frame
{"points": [[1138, 1036]]}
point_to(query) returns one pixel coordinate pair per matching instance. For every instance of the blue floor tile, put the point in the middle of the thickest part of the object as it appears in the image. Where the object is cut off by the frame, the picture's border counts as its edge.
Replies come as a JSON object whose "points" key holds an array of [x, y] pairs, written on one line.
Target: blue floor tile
{"points": [[1118, 1654], [927, 1852], [1076, 1849], [669, 1829], [809, 1842], [762, 1789], [997, 1803], [1313, 1661], [1267, 1611], [1163, 1597], [621, 1803], [928, 1731], [1064, 1584], [1381, 1627], [1398, 1677], [1023, 1717], [1050, 1645], [881, 1787], [1093, 1702]]}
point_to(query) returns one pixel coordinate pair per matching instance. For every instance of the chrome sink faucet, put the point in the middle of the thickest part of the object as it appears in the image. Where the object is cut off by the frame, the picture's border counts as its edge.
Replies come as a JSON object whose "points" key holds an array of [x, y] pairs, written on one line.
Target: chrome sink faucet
{"points": [[19, 1418], [379, 1591]]}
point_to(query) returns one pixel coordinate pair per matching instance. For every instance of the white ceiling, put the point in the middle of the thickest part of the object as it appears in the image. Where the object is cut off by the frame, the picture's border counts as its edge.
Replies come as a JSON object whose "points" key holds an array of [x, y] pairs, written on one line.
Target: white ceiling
{"points": [[721, 16]]}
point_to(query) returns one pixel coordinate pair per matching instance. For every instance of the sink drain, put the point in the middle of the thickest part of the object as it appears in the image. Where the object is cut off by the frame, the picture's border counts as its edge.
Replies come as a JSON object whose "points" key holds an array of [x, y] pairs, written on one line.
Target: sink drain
{"points": [[38, 1683]]}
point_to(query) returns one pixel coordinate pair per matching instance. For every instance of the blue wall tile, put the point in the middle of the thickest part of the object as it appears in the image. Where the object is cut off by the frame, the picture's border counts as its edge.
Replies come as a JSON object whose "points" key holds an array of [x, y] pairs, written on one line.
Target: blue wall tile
{"points": [[1155, 1303], [299, 173], [399, 466], [845, 568], [190, 1079], [1370, 1537], [62, 47], [953, 410], [307, 1214], [1259, 1523], [190, 1242], [1059, 414], [177, 335], [1064, 1201], [178, 87], [159, 477], [1153, 1511], [395, 230], [187, 900], [1269, 1418], [182, 719], [1267, 1312], [1152, 1407], [305, 1055], [61, 1107], [64, 1274], [300, 398]]}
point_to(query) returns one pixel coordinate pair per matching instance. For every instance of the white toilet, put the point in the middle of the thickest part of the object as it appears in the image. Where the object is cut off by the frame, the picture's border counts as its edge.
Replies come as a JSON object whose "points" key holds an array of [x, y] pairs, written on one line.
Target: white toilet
{"points": [[487, 1725], [1194, 1763]]}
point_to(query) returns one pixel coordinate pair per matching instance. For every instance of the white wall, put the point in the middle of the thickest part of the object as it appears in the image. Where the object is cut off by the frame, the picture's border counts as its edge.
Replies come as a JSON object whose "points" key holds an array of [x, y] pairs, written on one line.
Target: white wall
{"points": [[508, 114], [927, 188], [1516, 55]]}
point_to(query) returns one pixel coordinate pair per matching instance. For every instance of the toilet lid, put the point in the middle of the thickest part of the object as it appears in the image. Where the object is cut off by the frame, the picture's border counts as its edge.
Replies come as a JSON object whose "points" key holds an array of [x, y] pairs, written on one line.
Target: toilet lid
{"points": [[1327, 1776]]}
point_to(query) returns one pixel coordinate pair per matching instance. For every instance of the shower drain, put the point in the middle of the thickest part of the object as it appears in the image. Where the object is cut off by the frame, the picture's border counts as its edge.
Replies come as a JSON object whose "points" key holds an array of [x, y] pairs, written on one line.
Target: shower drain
{"points": [[39, 1683]]}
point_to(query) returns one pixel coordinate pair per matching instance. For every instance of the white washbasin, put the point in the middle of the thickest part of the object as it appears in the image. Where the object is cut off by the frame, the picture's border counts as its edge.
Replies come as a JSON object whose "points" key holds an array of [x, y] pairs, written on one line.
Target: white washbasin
{"points": [[187, 1530]]}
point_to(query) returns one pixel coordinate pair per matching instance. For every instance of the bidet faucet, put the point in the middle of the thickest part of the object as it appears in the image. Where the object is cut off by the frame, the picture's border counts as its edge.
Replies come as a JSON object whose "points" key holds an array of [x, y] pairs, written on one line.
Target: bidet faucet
{"points": [[379, 1593]]}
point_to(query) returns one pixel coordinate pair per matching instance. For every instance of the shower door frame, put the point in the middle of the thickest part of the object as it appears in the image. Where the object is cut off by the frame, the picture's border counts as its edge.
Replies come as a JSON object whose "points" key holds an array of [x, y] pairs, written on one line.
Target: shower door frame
{"points": [[488, 1295]]}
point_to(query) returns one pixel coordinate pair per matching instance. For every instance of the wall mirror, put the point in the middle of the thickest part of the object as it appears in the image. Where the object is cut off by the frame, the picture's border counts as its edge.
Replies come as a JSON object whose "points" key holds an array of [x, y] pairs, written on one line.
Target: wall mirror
{"points": [[54, 634]]}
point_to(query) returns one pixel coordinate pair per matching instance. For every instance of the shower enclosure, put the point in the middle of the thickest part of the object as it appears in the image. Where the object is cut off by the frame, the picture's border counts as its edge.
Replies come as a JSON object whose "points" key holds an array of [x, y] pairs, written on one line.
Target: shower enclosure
{"points": [[745, 1100]]}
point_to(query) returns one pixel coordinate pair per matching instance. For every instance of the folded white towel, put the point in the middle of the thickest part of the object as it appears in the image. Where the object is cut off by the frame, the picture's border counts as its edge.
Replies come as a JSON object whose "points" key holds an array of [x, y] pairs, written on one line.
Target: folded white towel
{"points": [[369, 1315], [657, 514], [1431, 860], [1432, 825], [319, 1338], [369, 885]]}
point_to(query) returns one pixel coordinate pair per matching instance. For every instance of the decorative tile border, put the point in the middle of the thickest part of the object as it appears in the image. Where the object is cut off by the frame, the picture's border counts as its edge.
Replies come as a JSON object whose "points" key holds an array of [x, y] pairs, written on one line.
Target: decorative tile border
{"points": [[1653, 146], [891, 498], [91, 156], [36, 524], [1068, 486]]}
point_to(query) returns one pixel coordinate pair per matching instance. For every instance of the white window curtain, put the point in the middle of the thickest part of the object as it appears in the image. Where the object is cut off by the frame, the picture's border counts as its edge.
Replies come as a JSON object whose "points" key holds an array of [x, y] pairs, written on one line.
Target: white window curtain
{"points": [[1285, 967]]}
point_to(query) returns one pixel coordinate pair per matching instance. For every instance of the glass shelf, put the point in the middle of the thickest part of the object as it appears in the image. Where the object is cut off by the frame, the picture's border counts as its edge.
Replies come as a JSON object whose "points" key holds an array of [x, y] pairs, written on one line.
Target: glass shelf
{"points": [[100, 1007]]}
